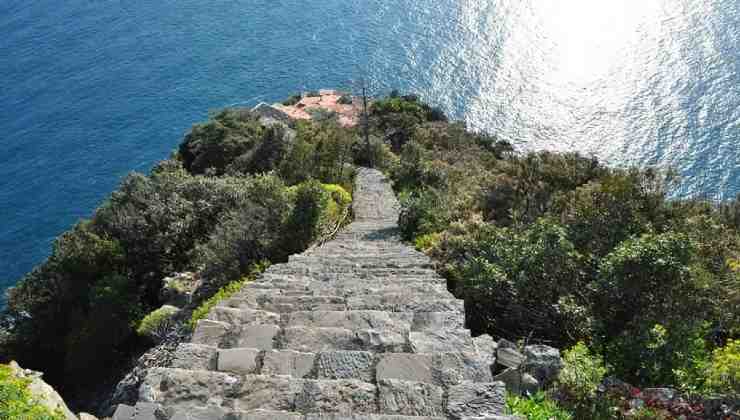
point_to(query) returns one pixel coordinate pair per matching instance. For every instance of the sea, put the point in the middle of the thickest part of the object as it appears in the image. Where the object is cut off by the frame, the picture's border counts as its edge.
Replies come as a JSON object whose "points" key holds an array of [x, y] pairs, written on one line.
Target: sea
{"points": [[91, 90]]}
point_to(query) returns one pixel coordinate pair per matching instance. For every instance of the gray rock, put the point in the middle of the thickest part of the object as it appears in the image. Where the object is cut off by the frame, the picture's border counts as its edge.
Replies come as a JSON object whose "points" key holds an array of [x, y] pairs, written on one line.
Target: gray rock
{"points": [[339, 396], [314, 340], [124, 412], [287, 362], [239, 360], [258, 336], [410, 398], [41, 391], [454, 368], [542, 362], [471, 399], [187, 388], [345, 365], [509, 357], [486, 348], [86, 416], [518, 382], [211, 333], [506, 344], [441, 341], [276, 393], [200, 413], [195, 357], [405, 367]]}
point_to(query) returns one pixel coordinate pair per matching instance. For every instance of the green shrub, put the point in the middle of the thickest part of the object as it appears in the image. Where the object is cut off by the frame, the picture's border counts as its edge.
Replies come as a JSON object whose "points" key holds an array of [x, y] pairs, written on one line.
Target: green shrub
{"points": [[16, 401], [427, 242], [317, 210], [157, 322], [266, 155], [345, 100], [578, 382], [651, 302], [523, 281], [212, 146], [723, 371], [582, 372], [536, 407], [423, 213]]}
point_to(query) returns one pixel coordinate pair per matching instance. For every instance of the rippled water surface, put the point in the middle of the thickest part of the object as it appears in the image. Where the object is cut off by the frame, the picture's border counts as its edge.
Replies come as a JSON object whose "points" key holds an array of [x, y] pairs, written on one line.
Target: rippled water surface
{"points": [[93, 89]]}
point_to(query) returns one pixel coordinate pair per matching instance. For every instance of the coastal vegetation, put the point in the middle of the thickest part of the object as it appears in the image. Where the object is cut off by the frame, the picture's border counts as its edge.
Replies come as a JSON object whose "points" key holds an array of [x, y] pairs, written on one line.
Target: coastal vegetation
{"points": [[237, 193], [553, 248], [561, 249]]}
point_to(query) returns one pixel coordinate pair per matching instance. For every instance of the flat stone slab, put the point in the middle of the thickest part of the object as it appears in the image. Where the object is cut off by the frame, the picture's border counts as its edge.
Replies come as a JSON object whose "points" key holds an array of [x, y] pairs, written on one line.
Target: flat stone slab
{"points": [[406, 367], [260, 337], [339, 396], [288, 362], [238, 360], [195, 357], [181, 388], [276, 393], [346, 365], [410, 398], [470, 400], [212, 333]]}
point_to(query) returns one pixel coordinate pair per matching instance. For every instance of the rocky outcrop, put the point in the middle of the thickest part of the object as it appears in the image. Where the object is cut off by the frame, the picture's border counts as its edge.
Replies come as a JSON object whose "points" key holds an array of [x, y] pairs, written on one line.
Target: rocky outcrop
{"points": [[359, 328], [44, 394]]}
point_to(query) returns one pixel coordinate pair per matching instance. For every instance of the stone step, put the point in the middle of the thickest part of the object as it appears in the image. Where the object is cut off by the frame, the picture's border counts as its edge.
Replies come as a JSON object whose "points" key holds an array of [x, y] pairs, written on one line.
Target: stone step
{"points": [[371, 259], [303, 269], [399, 302], [353, 320], [382, 279], [317, 339], [347, 287], [270, 301]]}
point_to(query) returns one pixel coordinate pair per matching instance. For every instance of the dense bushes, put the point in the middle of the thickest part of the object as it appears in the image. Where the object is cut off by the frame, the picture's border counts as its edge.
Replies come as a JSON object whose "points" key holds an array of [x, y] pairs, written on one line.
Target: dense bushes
{"points": [[16, 401], [236, 193], [560, 248]]}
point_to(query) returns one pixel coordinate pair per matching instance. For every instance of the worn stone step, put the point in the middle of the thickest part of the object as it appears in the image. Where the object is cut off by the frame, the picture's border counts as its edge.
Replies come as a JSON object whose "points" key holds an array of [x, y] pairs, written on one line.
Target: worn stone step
{"points": [[369, 417], [314, 339], [399, 302], [348, 287], [441, 369], [270, 301], [370, 260], [304, 269], [224, 335], [353, 320], [283, 393], [294, 280], [243, 316]]}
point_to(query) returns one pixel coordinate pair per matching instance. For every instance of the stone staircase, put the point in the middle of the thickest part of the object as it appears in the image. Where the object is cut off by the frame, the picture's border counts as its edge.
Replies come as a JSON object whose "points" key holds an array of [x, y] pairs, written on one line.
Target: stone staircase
{"points": [[361, 328]]}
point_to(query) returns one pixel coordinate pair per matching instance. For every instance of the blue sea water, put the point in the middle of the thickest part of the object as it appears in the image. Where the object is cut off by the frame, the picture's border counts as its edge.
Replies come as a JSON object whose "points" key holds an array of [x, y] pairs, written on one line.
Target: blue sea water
{"points": [[93, 89]]}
